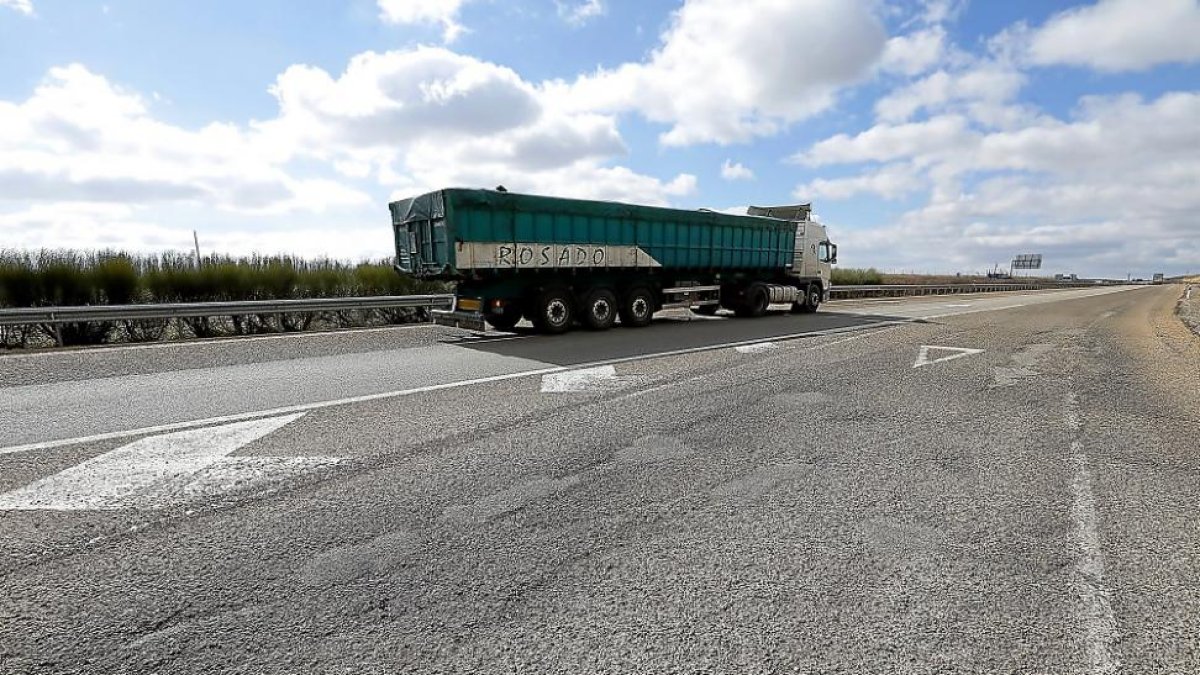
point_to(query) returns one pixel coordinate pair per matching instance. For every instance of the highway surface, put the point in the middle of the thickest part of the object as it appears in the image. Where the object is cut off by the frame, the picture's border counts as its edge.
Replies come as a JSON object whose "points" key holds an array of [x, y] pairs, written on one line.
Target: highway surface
{"points": [[977, 484]]}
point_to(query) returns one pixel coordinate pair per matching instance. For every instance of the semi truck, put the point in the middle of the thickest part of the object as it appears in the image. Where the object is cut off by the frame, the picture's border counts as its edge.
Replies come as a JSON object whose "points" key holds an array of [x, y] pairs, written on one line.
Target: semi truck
{"points": [[560, 262]]}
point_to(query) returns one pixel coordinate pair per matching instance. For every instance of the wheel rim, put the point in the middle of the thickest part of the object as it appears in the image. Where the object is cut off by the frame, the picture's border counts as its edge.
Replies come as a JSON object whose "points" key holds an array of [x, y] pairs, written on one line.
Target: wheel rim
{"points": [[814, 298], [640, 307], [601, 310], [556, 312]]}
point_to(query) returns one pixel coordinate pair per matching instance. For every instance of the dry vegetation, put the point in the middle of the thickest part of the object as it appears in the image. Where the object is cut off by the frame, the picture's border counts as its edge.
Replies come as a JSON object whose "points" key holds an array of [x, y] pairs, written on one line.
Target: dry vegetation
{"points": [[68, 277]]}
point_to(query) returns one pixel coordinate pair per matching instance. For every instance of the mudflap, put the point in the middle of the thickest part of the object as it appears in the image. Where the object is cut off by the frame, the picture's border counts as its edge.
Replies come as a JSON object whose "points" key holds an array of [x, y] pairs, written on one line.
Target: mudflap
{"points": [[458, 319]]}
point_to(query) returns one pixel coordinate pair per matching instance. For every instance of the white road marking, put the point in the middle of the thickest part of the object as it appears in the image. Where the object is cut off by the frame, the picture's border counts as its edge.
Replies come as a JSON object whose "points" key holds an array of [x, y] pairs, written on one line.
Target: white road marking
{"points": [[755, 348], [1100, 624], [705, 376], [923, 358], [961, 304], [205, 342], [600, 378], [302, 407], [159, 471], [317, 405]]}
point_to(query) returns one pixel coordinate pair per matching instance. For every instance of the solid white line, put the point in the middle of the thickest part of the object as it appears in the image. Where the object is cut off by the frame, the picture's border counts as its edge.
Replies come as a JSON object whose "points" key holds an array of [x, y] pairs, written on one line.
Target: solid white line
{"points": [[302, 407], [1077, 296], [202, 342], [1099, 622], [1100, 625]]}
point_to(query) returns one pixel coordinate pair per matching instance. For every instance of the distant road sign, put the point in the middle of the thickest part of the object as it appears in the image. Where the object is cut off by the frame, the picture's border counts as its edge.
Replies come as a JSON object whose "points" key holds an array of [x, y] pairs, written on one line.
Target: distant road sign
{"points": [[1027, 261]]}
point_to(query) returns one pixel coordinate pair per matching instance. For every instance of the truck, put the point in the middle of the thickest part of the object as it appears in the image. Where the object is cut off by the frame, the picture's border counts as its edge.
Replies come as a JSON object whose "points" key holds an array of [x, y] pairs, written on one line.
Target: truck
{"points": [[1158, 278], [561, 262]]}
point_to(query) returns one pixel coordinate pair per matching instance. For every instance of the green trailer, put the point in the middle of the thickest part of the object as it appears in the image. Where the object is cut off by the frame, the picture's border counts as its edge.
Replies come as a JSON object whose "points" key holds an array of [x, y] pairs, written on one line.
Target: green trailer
{"points": [[557, 262]]}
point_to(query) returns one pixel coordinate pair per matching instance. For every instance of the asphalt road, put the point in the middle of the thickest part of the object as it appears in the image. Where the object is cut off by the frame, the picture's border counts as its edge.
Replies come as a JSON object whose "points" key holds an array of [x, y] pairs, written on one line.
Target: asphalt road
{"points": [[976, 484]]}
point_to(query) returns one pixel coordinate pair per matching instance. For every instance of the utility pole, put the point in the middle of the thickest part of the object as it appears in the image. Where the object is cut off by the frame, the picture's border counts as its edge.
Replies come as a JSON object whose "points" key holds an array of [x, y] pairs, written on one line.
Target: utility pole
{"points": [[196, 241]]}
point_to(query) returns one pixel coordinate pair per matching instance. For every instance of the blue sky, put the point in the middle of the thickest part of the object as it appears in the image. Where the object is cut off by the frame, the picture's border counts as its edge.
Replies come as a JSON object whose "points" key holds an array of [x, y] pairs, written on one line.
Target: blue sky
{"points": [[931, 135]]}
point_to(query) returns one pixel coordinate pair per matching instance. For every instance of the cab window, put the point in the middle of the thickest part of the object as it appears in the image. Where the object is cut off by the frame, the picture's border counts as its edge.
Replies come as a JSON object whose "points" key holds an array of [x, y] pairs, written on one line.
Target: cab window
{"points": [[826, 252]]}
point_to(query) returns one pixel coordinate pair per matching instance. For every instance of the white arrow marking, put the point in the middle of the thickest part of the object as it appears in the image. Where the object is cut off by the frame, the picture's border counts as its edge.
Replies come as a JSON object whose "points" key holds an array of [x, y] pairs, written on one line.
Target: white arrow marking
{"points": [[159, 471], [958, 352], [600, 378], [755, 348]]}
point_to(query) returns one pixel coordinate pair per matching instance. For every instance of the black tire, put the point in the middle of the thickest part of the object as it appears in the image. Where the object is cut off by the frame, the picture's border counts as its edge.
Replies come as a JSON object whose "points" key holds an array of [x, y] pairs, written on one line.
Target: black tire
{"points": [[637, 307], [756, 302], [600, 309], [507, 320], [811, 301], [554, 311], [707, 310]]}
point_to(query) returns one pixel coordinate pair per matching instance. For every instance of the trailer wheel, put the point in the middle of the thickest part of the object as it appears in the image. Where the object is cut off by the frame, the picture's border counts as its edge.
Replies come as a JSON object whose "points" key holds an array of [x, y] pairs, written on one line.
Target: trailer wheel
{"points": [[812, 300], [600, 309], [637, 309], [757, 300], [554, 312]]}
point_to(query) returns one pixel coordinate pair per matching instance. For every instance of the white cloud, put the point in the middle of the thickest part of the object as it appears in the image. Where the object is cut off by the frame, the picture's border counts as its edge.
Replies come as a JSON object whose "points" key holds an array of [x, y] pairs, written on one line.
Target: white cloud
{"points": [[409, 121], [941, 11], [88, 225], [80, 138], [579, 12], [887, 142], [987, 83], [427, 118], [890, 182], [391, 99], [914, 53], [444, 12], [730, 70], [1113, 186], [731, 170], [1120, 35], [20, 6]]}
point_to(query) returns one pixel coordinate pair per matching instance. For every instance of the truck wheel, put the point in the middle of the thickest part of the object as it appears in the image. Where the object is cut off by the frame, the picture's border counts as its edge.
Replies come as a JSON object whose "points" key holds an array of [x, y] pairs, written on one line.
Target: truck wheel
{"points": [[812, 300], [600, 309], [638, 308], [554, 311], [507, 320], [757, 299]]}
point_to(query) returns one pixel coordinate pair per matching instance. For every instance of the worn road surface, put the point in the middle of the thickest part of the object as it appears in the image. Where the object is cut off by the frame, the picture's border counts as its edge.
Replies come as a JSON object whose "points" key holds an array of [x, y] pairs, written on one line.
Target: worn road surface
{"points": [[969, 484]]}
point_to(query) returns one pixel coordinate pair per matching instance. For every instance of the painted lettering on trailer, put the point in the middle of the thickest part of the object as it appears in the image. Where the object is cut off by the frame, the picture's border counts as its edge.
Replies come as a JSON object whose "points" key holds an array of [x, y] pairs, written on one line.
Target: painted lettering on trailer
{"points": [[533, 255]]}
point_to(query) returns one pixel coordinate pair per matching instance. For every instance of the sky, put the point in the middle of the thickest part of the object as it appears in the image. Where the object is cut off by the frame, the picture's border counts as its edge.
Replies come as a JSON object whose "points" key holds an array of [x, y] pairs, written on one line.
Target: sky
{"points": [[935, 136]]}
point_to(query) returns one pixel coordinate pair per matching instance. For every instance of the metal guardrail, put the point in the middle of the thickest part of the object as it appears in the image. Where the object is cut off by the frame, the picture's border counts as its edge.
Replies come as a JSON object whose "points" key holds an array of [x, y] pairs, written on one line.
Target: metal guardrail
{"points": [[180, 310], [893, 290]]}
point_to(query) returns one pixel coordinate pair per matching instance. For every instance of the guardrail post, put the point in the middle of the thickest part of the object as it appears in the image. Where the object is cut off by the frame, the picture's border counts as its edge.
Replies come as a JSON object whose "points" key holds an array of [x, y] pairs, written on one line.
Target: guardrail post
{"points": [[58, 338]]}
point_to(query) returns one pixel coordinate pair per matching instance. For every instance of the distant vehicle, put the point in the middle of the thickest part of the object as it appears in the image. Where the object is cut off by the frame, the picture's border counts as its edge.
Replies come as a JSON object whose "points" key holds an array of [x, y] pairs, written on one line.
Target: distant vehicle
{"points": [[1066, 277], [558, 262], [1158, 277]]}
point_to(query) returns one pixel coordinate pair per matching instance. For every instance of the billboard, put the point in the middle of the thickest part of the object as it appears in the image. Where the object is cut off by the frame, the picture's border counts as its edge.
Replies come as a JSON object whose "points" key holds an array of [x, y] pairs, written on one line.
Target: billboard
{"points": [[1027, 261]]}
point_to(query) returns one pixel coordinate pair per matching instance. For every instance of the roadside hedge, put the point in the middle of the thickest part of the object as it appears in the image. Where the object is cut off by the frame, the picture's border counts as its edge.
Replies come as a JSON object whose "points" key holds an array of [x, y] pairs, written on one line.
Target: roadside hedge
{"points": [[850, 276], [54, 277]]}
